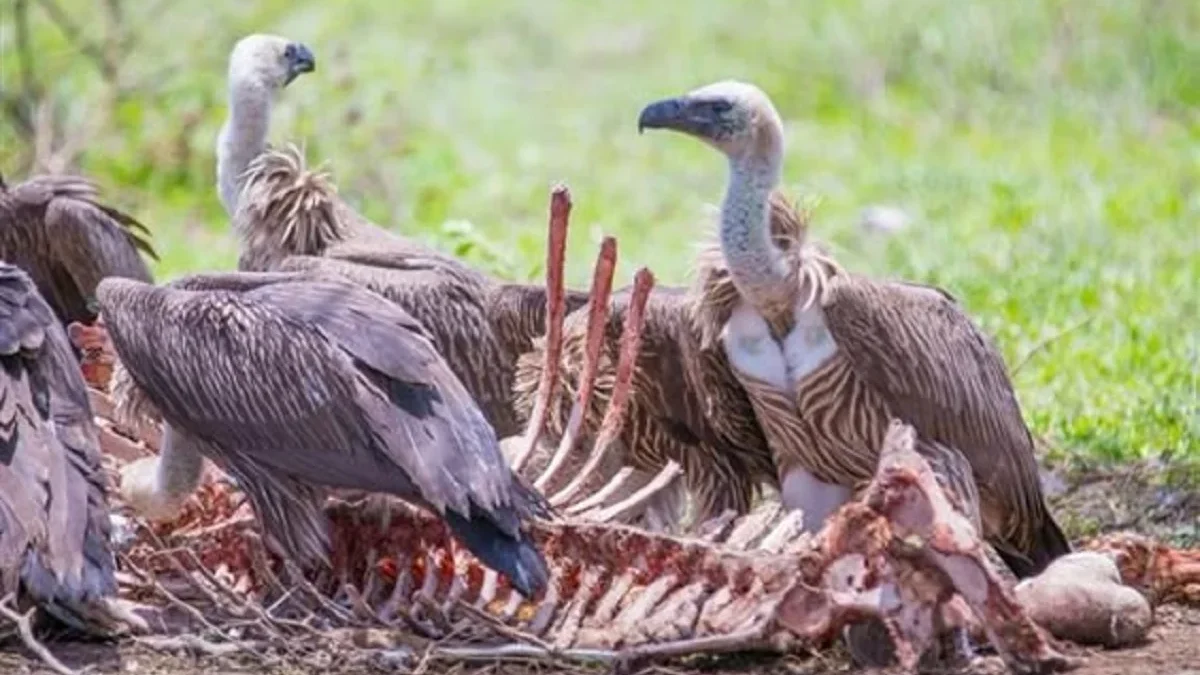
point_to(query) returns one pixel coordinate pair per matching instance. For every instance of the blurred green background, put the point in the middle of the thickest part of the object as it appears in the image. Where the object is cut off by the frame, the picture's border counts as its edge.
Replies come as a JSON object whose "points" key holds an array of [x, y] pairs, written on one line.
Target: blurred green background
{"points": [[1047, 153]]}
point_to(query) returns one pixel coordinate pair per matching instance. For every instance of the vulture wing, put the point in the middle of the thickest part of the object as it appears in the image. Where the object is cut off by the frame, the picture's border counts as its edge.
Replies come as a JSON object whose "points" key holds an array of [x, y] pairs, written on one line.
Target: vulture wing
{"points": [[68, 241], [323, 382], [452, 306], [238, 282], [54, 527], [939, 372]]}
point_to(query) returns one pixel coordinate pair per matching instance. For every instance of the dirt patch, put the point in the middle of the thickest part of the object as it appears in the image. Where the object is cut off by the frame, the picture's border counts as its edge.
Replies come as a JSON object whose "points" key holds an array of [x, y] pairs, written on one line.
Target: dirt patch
{"points": [[1145, 497], [1173, 649]]}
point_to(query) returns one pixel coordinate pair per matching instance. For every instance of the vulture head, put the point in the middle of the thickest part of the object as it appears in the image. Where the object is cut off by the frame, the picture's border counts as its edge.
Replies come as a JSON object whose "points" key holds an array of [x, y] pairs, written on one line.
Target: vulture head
{"points": [[270, 61], [735, 117]]}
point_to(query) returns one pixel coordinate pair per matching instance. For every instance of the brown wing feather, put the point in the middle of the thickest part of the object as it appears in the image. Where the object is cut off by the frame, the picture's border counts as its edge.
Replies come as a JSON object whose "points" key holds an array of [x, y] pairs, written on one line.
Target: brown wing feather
{"points": [[938, 371], [55, 228], [54, 527], [452, 309], [684, 405], [294, 374]]}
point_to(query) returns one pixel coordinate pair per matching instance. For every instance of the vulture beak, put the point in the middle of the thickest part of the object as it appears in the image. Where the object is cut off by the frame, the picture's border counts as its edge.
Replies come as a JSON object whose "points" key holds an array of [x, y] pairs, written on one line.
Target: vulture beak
{"points": [[300, 60], [680, 114]]}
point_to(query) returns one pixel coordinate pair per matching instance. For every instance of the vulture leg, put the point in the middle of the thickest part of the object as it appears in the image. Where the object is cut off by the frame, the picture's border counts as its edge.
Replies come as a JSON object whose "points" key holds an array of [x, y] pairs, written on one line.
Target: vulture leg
{"points": [[801, 490], [602, 280], [614, 416], [556, 310], [157, 487]]}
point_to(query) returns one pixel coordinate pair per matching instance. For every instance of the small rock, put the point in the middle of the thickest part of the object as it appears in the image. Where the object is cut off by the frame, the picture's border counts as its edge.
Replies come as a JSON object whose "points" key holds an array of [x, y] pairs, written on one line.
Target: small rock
{"points": [[123, 532], [1080, 597], [395, 659], [884, 219]]}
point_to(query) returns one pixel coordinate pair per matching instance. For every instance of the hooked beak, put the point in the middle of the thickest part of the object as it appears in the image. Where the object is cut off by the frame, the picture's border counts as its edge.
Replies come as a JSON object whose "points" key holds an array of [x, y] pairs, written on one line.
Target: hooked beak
{"points": [[679, 114], [665, 114], [300, 61]]}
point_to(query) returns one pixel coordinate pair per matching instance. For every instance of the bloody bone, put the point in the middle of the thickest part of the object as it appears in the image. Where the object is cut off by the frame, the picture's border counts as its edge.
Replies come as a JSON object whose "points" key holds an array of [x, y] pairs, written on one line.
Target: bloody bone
{"points": [[597, 314], [1159, 571], [626, 492], [556, 310]]}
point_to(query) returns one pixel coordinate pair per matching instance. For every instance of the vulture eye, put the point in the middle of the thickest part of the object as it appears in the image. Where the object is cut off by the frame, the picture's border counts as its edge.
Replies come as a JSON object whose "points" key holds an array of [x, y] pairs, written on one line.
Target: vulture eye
{"points": [[720, 106], [289, 52]]}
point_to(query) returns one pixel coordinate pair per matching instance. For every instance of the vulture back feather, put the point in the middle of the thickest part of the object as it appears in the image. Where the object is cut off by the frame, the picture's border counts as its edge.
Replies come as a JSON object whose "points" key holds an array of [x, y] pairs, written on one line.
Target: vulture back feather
{"points": [[291, 218], [54, 526], [56, 229], [286, 208], [297, 385]]}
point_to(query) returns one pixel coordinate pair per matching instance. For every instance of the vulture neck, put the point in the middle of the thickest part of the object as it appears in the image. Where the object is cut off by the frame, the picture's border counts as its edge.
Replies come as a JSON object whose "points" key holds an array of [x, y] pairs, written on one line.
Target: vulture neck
{"points": [[755, 264], [180, 467], [243, 136]]}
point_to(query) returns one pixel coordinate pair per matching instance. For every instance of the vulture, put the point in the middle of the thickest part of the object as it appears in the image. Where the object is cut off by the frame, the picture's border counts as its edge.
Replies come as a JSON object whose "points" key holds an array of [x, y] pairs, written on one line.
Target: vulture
{"points": [[293, 384], [829, 358], [288, 217], [54, 524], [58, 231], [686, 404]]}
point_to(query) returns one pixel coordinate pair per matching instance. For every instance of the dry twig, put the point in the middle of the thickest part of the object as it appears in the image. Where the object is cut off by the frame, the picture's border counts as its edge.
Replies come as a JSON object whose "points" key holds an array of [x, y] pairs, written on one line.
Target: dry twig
{"points": [[24, 626]]}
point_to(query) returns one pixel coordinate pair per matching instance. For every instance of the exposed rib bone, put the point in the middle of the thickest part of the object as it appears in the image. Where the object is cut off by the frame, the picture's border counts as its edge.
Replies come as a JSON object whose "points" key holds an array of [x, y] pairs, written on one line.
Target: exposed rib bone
{"points": [[556, 310], [602, 496], [669, 474], [116, 445], [614, 416], [602, 279]]}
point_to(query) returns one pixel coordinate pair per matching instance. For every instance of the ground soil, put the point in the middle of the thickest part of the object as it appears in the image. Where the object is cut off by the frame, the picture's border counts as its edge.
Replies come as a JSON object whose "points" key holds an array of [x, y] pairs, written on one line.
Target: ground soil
{"points": [[1088, 502]]}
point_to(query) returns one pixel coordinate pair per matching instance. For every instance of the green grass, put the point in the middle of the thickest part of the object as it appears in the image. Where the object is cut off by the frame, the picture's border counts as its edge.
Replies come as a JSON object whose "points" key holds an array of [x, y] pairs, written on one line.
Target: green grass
{"points": [[1049, 151]]}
